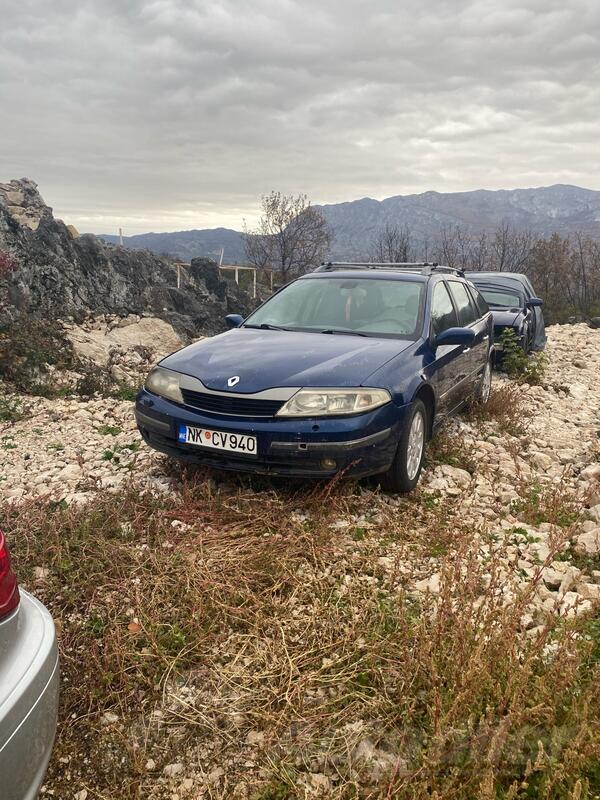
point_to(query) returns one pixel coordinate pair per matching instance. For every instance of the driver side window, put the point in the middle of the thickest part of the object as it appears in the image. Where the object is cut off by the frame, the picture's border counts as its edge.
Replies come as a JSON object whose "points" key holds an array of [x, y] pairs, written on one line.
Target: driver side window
{"points": [[467, 313], [443, 315]]}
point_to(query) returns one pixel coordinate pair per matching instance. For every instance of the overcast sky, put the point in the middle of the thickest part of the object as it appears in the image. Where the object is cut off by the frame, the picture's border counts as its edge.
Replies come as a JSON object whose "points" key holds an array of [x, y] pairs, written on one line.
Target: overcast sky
{"points": [[178, 114]]}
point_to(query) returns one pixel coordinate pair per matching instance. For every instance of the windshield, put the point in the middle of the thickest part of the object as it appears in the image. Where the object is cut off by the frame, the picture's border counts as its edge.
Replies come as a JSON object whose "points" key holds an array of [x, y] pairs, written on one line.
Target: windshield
{"points": [[341, 305], [501, 299]]}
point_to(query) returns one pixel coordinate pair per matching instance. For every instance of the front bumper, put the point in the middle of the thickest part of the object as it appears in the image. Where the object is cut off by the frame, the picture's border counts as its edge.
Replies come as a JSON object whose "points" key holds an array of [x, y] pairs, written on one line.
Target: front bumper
{"points": [[30, 675], [361, 445]]}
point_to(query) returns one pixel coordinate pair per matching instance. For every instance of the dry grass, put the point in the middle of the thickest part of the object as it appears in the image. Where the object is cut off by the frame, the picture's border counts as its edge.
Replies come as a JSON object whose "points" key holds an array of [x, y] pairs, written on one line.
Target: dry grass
{"points": [[448, 447], [552, 503], [277, 644], [504, 408], [504, 412]]}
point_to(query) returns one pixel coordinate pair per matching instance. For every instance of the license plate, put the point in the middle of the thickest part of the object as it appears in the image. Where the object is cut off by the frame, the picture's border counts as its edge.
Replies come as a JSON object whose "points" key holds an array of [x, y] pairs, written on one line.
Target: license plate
{"points": [[218, 440]]}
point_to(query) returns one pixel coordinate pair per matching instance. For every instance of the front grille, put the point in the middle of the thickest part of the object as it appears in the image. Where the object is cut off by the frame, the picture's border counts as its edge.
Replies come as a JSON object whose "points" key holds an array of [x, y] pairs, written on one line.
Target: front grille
{"points": [[238, 406]]}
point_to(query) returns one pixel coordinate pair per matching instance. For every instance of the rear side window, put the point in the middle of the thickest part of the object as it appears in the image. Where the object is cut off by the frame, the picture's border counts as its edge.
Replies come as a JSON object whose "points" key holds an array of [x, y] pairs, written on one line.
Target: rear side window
{"points": [[443, 315], [467, 313], [480, 302]]}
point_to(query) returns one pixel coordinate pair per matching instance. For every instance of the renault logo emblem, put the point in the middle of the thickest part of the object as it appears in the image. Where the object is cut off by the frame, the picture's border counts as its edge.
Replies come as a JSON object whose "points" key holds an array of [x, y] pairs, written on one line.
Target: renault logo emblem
{"points": [[233, 381]]}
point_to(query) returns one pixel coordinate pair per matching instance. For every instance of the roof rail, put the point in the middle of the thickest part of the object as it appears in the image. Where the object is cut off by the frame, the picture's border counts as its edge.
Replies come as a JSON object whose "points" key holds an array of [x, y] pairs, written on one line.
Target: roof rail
{"points": [[422, 267], [452, 270]]}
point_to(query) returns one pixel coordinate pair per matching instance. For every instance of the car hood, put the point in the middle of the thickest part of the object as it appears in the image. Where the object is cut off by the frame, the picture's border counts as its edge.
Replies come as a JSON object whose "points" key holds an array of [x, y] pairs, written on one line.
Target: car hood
{"points": [[264, 359], [507, 317]]}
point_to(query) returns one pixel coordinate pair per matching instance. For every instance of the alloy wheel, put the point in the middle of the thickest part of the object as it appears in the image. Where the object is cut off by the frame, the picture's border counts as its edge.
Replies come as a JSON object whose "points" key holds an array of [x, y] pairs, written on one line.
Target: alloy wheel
{"points": [[416, 442]]}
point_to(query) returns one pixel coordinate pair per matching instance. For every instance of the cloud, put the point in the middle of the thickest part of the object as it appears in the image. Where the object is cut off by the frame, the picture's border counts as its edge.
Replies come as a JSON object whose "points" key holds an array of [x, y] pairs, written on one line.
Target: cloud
{"points": [[169, 114]]}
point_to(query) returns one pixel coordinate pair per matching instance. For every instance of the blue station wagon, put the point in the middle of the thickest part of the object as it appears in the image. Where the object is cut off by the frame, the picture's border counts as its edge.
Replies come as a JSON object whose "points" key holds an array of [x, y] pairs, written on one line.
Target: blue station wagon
{"points": [[346, 369]]}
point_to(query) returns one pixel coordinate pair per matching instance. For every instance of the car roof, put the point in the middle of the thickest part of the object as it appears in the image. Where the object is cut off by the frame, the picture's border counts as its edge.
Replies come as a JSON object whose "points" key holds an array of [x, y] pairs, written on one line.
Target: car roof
{"points": [[421, 271], [512, 279], [505, 285], [368, 274]]}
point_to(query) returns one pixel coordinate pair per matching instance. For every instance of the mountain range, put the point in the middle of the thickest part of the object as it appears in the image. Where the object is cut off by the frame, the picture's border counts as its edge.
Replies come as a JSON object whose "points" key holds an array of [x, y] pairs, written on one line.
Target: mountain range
{"points": [[560, 208]]}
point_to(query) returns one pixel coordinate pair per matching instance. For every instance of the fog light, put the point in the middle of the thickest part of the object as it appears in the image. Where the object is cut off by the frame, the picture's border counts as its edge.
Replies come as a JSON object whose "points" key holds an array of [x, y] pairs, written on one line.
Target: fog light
{"points": [[328, 463]]}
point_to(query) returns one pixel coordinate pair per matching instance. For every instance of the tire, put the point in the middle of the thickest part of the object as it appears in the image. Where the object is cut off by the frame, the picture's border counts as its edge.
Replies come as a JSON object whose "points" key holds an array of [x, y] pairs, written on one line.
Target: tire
{"points": [[403, 475], [482, 393]]}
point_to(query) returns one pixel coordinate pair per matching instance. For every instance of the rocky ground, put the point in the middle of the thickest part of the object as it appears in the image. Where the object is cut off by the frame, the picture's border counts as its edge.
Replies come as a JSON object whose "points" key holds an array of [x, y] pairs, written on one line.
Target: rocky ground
{"points": [[66, 449], [527, 488]]}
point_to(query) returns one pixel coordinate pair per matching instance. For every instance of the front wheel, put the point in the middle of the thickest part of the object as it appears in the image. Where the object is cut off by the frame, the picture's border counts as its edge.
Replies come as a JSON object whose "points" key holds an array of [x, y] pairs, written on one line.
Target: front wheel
{"points": [[404, 472]]}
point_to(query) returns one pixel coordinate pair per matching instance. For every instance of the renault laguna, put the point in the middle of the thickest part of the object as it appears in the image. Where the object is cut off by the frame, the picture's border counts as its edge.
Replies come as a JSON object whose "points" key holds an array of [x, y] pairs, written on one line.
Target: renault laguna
{"points": [[347, 369]]}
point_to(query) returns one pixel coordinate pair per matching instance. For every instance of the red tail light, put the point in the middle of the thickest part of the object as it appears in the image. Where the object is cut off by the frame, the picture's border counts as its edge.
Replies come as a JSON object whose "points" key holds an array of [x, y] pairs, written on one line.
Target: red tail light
{"points": [[9, 590]]}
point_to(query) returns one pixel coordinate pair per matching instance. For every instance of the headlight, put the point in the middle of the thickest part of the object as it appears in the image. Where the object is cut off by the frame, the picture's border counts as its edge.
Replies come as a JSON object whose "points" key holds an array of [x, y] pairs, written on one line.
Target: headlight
{"points": [[331, 402], [164, 382]]}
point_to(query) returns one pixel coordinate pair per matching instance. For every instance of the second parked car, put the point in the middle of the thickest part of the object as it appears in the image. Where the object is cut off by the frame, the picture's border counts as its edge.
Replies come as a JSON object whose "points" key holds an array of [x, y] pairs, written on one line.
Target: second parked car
{"points": [[348, 368], [514, 306]]}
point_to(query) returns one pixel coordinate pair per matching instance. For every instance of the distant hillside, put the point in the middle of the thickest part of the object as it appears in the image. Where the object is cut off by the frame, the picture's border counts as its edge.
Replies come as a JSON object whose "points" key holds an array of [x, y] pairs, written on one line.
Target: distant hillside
{"points": [[188, 244], [560, 208]]}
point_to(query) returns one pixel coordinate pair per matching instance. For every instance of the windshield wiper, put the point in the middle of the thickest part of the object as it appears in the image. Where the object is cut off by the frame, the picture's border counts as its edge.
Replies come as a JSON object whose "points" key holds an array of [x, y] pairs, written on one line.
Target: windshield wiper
{"points": [[341, 330], [266, 326]]}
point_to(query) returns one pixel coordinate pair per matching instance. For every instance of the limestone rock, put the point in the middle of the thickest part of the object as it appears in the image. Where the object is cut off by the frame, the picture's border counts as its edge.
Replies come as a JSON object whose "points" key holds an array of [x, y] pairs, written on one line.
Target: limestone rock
{"points": [[96, 345], [572, 604], [59, 275], [171, 770], [542, 460], [23, 202], [458, 476], [431, 585], [591, 472], [560, 576], [594, 514], [588, 543], [589, 591]]}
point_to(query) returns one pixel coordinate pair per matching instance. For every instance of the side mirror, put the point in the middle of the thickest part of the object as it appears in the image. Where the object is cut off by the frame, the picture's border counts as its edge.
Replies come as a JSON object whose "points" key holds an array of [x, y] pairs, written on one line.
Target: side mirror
{"points": [[461, 336], [234, 320], [534, 302]]}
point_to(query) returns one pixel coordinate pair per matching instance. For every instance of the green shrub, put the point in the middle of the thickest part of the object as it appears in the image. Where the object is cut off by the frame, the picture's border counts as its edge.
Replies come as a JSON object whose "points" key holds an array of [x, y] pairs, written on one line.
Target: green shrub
{"points": [[93, 381], [515, 361], [28, 347], [125, 392], [96, 381], [109, 430], [10, 409]]}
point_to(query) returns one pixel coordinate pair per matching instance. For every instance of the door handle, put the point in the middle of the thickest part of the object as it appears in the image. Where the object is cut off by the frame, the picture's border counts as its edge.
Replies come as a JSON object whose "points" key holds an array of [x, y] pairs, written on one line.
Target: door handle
{"points": [[486, 337], [466, 349]]}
